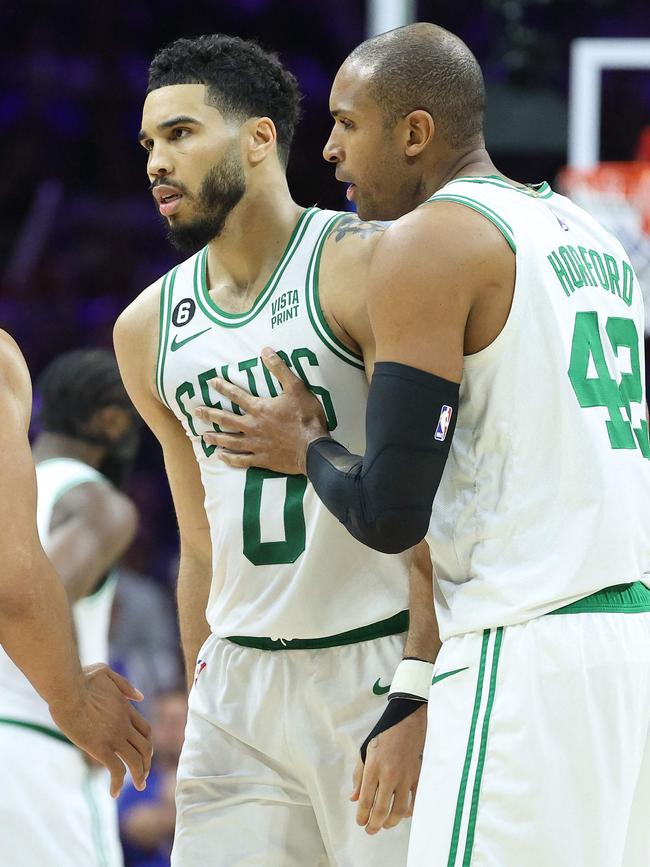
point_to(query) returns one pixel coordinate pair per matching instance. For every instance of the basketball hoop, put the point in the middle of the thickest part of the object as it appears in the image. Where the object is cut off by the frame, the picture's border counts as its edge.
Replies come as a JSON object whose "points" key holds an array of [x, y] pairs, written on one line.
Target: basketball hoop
{"points": [[618, 196]]}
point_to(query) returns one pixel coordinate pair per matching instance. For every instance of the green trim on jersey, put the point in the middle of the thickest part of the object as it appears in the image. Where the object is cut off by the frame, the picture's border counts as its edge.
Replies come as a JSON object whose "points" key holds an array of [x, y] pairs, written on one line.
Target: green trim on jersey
{"points": [[95, 477], [43, 730], [462, 802], [95, 821], [166, 296], [481, 208], [537, 191], [394, 625], [314, 309], [236, 320], [631, 598]]}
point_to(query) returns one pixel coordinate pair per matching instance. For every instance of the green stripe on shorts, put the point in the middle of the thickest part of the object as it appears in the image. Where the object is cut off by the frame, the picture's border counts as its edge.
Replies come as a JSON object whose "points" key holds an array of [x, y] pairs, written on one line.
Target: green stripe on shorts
{"points": [[462, 838]]}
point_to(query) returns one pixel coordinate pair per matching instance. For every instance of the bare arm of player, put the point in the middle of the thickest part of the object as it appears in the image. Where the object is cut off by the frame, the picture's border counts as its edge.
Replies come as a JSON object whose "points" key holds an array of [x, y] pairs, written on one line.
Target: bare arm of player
{"points": [[343, 293], [92, 526], [441, 285], [90, 706], [135, 339], [343, 284], [385, 786]]}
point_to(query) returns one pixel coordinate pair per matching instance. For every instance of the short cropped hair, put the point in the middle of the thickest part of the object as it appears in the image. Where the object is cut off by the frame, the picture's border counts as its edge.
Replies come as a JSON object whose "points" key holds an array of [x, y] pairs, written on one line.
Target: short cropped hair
{"points": [[423, 66], [242, 79]]}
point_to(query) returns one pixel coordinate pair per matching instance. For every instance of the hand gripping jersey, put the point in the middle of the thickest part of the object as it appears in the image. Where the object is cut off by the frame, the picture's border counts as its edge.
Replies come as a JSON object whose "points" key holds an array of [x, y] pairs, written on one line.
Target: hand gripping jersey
{"points": [[283, 567], [546, 494], [19, 701]]}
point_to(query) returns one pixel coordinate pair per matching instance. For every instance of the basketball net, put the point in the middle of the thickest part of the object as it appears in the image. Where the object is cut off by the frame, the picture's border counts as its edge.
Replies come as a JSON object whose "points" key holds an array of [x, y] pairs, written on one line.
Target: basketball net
{"points": [[618, 196]]}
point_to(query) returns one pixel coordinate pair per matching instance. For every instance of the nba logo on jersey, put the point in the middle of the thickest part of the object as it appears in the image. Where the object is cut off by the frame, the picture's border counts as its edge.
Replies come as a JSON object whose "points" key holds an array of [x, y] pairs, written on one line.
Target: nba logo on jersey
{"points": [[443, 423]]}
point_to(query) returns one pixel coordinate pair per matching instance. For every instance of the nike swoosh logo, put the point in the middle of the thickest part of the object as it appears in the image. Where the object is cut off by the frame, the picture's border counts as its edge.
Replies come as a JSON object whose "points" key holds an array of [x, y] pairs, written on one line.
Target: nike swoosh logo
{"points": [[380, 690], [176, 343], [447, 674]]}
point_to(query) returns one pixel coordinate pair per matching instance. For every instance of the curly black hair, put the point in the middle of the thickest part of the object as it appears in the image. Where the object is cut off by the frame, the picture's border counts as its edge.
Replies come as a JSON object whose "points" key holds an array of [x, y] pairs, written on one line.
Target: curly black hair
{"points": [[74, 386], [243, 80]]}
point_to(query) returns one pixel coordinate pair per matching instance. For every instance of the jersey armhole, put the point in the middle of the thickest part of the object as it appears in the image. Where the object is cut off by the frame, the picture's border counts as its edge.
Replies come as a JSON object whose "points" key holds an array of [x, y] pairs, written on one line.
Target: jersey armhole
{"points": [[481, 208], [314, 310], [166, 295]]}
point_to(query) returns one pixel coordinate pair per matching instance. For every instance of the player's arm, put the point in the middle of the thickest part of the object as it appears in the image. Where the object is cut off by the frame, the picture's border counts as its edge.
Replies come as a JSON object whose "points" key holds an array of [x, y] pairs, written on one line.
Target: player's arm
{"points": [[93, 525], [421, 297], [35, 625], [385, 784], [343, 284], [35, 622], [135, 349]]}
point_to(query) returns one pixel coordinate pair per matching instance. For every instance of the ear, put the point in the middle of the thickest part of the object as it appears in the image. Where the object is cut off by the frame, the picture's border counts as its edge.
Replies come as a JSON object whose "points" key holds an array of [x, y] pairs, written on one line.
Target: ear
{"points": [[261, 139], [420, 130]]}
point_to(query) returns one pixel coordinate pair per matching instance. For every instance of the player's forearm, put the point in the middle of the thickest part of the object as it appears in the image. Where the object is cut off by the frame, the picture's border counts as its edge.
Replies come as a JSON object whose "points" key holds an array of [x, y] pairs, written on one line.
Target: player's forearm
{"points": [[194, 577], [384, 498], [36, 632], [423, 640]]}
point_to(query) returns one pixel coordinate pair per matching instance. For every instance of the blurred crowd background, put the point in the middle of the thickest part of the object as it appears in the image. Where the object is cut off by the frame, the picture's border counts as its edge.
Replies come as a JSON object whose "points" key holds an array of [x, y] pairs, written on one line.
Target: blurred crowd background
{"points": [[79, 236]]}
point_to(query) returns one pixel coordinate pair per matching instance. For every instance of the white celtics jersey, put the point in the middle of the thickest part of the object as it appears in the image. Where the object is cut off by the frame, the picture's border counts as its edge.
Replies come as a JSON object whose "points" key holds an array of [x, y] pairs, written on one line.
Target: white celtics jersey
{"points": [[546, 494], [19, 701], [283, 566]]}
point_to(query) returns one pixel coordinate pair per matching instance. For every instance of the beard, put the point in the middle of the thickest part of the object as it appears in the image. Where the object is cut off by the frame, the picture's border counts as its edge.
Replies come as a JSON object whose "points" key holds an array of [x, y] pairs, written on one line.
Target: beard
{"points": [[222, 188]]}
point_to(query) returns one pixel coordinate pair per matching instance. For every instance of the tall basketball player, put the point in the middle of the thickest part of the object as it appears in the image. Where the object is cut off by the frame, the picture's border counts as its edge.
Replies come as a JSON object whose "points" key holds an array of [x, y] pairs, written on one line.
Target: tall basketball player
{"points": [[507, 319], [58, 810], [90, 706], [303, 622]]}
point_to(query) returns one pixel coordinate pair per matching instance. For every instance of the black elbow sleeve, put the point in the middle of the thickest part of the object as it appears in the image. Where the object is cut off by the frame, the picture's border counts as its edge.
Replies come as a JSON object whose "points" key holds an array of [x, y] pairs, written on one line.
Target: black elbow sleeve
{"points": [[385, 497]]}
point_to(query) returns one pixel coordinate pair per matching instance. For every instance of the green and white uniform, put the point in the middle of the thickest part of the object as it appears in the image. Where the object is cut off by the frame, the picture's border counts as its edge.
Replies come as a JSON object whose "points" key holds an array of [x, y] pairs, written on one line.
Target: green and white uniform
{"points": [[56, 809], [538, 749], [272, 737]]}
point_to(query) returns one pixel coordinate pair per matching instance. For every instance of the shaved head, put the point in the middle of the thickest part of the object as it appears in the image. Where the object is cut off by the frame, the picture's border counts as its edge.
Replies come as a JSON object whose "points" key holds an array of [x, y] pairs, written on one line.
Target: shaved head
{"points": [[423, 66]]}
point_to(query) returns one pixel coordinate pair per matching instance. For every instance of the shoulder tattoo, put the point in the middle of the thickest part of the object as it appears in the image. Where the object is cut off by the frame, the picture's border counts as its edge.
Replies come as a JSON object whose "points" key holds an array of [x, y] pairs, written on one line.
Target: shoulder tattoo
{"points": [[352, 225]]}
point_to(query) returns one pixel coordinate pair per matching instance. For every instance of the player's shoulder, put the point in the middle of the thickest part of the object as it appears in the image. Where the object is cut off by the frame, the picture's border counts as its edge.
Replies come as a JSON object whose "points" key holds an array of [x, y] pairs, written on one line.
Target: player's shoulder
{"points": [[351, 239], [14, 375], [451, 233], [348, 251], [107, 510], [142, 313]]}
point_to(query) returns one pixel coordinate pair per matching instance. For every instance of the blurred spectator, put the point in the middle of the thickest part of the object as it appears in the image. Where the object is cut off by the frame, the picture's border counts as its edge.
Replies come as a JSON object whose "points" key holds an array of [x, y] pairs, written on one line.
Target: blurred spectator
{"points": [[147, 818], [144, 638]]}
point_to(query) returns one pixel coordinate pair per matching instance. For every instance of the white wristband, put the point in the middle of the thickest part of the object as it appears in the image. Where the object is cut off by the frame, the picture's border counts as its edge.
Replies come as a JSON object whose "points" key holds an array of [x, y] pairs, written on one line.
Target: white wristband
{"points": [[412, 679]]}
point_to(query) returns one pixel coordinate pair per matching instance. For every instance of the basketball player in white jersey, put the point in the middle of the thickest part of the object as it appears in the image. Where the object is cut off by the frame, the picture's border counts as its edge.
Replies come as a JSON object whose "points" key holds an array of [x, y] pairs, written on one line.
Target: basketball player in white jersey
{"points": [[89, 705], [507, 319], [303, 622], [58, 811]]}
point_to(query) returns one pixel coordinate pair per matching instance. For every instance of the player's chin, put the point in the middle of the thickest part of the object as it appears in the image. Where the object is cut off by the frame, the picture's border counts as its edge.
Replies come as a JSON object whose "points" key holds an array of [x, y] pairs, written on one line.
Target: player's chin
{"points": [[365, 209], [369, 209]]}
